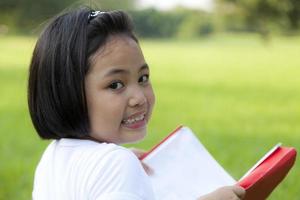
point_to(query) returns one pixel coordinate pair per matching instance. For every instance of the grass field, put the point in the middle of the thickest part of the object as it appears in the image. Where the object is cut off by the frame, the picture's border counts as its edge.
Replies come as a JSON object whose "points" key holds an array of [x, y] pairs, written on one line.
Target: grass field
{"points": [[239, 95]]}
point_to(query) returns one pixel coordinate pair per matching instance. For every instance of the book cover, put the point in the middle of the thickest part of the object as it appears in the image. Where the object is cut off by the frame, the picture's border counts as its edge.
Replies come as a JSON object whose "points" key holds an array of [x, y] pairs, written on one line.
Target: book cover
{"points": [[184, 169]]}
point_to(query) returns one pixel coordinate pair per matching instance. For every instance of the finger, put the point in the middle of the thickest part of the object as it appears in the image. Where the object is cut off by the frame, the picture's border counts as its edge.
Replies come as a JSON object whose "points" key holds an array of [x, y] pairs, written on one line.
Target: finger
{"points": [[239, 191], [138, 152]]}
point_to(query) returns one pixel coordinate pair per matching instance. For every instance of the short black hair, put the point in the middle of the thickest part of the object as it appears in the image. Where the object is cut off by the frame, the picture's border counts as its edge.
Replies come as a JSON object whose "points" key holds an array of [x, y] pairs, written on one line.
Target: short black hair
{"points": [[60, 61]]}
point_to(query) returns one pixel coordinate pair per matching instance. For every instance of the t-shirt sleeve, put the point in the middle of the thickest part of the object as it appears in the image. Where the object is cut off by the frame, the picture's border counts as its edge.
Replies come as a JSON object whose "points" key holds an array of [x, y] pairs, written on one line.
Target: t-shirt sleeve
{"points": [[118, 175], [119, 196]]}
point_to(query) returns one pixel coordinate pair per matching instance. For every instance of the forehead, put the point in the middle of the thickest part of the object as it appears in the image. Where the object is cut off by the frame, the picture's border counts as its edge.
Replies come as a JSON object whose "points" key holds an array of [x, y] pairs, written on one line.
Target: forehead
{"points": [[119, 50]]}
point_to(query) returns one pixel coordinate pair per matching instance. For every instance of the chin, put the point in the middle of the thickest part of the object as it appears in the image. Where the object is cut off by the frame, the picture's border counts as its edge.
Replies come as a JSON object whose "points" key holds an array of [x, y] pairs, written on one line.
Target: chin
{"points": [[133, 137]]}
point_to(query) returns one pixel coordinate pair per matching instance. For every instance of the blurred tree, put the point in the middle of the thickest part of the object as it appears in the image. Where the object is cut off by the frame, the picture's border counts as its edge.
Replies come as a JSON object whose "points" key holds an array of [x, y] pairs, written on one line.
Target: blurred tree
{"points": [[294, 14], [260, 15], [26, 14], [115, 4], [195, 23], [154, 23], [180, 22]]}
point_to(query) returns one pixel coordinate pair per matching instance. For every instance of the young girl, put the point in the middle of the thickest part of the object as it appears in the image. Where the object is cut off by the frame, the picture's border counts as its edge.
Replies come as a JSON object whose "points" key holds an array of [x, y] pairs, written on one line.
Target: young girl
{"points": [[89, 91]]}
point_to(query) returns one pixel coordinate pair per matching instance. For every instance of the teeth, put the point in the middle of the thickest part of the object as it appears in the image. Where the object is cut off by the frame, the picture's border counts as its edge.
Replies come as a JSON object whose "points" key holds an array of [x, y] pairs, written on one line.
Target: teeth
{"points": [[130, 121]]}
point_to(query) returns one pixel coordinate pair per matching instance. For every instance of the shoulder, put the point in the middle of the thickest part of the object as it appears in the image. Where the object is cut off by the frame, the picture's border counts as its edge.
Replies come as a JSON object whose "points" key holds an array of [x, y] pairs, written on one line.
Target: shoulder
{"points": [[91, 170], [87, 152], [105, 155], [118, 172], [115, 160]]}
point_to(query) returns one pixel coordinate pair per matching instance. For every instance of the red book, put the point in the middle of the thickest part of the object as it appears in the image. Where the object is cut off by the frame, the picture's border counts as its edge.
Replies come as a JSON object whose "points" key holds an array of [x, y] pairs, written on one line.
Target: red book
{"points": [[262, 180], [184, 169]]}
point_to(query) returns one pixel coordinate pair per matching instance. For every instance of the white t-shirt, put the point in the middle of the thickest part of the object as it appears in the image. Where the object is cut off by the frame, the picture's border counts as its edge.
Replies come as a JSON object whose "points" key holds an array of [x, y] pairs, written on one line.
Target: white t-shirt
{"points": [[74, 169]]}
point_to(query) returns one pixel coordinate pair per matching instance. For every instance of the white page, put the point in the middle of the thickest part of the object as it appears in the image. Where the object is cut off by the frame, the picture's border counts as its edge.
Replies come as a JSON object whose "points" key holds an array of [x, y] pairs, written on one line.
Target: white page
{"points": [[184, 169]]}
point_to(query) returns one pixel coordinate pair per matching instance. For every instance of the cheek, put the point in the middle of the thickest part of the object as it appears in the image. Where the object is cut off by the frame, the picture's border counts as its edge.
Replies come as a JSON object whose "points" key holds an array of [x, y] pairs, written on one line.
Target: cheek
{"points": [[150, 96], [104, 108], [116, 109], [111, 107], [107, 115]]}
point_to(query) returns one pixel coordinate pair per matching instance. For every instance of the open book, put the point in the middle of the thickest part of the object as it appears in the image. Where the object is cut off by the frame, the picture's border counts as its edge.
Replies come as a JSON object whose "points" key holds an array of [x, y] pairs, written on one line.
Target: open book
{"points": [[184, 169]]}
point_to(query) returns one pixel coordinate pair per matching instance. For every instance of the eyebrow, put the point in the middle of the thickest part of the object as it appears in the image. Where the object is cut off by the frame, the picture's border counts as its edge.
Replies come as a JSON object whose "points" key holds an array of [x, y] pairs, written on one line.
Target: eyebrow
{"points": [[122, 71]]}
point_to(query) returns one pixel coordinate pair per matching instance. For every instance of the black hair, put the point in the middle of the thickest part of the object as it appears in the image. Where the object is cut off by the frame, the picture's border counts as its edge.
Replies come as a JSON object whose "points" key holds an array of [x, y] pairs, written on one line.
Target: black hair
{"points": [[60, 61]]}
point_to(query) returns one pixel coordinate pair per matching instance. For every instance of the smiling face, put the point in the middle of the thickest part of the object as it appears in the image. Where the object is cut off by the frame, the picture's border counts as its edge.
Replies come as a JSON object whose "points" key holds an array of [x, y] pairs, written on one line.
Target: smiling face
{"points": [[118, 92]]}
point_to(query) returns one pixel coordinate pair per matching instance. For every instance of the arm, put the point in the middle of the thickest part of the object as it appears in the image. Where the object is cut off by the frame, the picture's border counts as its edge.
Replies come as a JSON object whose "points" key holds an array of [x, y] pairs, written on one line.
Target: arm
{"points": [[225, 193]]}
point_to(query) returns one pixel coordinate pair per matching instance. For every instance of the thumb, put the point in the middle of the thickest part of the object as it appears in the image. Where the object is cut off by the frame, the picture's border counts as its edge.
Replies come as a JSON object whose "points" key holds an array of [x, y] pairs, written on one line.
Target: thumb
{"points": [[239, 191]]}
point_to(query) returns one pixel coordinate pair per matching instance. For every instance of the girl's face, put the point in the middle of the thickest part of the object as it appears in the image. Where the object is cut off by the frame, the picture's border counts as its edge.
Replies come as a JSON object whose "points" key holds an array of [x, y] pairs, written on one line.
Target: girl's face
{"points": [[118, 92]]}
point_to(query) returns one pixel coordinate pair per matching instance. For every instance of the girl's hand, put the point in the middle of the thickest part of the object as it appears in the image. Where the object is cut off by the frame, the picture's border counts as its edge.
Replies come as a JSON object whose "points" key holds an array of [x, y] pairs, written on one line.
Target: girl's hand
{"points": [[226, 193], [139, 153]]}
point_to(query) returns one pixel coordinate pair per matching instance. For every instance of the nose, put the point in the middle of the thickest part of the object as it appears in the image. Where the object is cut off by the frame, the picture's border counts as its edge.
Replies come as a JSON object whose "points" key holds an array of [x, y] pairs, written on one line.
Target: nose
{"points": [[137, 97]]}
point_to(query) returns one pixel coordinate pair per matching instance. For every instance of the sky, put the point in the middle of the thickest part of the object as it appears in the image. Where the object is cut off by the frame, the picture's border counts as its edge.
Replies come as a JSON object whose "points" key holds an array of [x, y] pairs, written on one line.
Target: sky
{"points": [[168, 4]]}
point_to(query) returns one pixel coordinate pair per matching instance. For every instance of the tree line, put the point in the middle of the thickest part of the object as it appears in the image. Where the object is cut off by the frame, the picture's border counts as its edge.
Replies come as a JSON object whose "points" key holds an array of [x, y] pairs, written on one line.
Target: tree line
{"points": [[261, 16]]}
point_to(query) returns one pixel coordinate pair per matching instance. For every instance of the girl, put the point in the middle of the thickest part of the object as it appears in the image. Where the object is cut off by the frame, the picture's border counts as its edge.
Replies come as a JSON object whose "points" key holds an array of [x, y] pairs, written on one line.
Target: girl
{"points": [[89, 91]]}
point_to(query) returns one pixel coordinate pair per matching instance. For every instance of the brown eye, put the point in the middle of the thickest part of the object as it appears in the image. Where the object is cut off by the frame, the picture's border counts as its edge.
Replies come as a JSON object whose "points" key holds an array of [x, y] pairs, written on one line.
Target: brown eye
{"points": [[144, 78], [116, 85]]}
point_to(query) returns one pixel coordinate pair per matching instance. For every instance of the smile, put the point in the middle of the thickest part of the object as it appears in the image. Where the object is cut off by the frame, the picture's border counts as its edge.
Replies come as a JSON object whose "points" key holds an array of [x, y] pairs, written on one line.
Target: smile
{"points": [[134, 120]]}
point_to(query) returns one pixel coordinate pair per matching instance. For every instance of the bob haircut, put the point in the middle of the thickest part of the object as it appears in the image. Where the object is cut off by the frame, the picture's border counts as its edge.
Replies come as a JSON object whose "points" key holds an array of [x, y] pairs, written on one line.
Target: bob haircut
{"points": [[60, 61]]}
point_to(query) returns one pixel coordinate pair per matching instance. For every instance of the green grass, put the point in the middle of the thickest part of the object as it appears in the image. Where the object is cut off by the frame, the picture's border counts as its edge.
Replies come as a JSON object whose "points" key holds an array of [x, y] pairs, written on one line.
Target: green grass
{"points": [[239, 95]]}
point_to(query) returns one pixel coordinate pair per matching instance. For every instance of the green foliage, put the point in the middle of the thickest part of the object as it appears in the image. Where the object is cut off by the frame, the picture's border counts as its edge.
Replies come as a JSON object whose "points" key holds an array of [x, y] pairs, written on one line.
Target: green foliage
{"points": [[293, 14], [115, 4], [195, 24], [175, 23], [153, 23], [25, 16], [232, 91], [262, 15]]}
